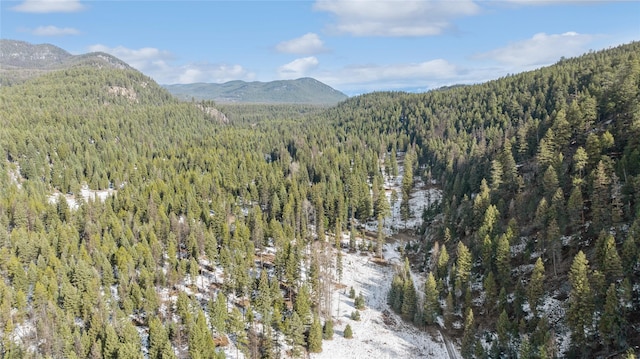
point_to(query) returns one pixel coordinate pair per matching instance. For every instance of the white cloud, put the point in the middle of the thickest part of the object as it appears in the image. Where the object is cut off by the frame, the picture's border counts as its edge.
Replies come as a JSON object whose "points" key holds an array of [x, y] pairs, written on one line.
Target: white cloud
{"points": [[205, 72], [54, 31], [541, 49], [428, 74], [298, 68], [47, 6], [158, 64], [141, 59], [395, 17], [308, 44]]}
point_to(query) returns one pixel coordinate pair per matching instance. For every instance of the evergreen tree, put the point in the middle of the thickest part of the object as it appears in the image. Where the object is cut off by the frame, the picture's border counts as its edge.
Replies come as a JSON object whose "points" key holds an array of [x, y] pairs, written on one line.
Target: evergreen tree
{"points": [[448, 311], [469, 334], [491, 292], [609, 326], [218, 315], [295, 334], [502, 328], [159, 344], [302, 304], [348, 332], [263, 301], [359, 302], [236, 326], [443, 262], [575, 206], [431, 305], [463, 264], [395, 295], [380, 237], [503, 260], [315, 336], [327, 330], [536, 285], [600, 197], [579, 315], [409, 299], [610, 263]]}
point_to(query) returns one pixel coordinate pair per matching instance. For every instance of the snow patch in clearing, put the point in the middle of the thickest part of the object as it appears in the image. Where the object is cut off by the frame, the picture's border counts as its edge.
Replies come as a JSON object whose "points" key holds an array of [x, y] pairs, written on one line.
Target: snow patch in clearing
{"points": [[379, 333]]}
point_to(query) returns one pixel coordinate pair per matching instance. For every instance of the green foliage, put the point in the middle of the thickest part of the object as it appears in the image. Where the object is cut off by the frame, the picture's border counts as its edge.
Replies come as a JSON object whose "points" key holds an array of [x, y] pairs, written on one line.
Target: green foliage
{"points": [[431, 306], [191, 193], [580, 313], [359, 302], [315, 336], [327, 330], [463, 264], [355, 315], [536, 285], [348, 332]]}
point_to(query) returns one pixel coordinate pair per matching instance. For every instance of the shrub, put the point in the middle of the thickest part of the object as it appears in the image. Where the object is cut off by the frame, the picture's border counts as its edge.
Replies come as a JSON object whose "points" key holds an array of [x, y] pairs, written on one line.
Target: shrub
{"points": [[348, 332]]}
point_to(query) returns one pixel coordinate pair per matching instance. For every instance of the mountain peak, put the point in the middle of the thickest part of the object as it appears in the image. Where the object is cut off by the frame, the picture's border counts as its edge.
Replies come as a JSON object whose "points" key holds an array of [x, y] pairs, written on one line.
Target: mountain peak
{"points": [[20, 54], [20, 60]]}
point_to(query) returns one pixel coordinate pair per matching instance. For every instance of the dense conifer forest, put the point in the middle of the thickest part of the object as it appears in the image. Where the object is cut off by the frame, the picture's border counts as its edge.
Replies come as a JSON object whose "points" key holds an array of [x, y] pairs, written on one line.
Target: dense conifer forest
{"points": [[540, 215]]}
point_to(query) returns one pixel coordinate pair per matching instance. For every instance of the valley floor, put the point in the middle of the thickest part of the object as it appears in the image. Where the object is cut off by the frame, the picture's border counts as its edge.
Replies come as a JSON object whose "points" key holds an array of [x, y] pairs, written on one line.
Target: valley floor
{"points": [[380, 333]]}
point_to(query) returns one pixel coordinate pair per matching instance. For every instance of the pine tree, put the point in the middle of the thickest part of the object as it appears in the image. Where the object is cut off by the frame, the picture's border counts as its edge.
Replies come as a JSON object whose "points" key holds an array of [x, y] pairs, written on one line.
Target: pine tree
{"points": [[448, 311], [463, 264], [554, 244], [579, 315], [218, 314], [611, 264], [302, 304], [443, 262], [200, 340], [491, 292], [469, 334], [525, 348], [295, 333], [315, 336], [431, 305], [600, 197], [575, 206], [263, 301], [502, 328], [549, 182], [496, 175], [327, 330], [610, 322], [236, 326], [359, 301], [348, 332], [536, 285], [395, 296], [380, 237], [503, 260], [159, 344], [409, 300]]}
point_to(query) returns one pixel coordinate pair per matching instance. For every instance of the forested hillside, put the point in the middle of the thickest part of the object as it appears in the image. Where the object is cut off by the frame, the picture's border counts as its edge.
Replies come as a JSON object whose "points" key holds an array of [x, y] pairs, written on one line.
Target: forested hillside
{"points": [[300, 91], [228, 234], [541, 215]]}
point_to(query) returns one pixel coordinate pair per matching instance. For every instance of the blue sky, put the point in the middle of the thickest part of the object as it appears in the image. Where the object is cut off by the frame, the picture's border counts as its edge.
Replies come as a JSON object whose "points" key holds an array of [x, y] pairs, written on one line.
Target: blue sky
{"points": [[355, 46]]}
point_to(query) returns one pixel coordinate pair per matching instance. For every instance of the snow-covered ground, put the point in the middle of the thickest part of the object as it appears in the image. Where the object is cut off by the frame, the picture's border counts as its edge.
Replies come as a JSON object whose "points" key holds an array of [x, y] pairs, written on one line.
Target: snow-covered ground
{"points": [[379, 333], [86, 194], [421, 197]]}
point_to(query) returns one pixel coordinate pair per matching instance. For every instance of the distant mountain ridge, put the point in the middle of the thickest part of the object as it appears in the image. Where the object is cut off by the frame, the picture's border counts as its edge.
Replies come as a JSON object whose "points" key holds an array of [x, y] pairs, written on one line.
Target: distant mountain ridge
{"points": [[20, 60], [302, 91]]}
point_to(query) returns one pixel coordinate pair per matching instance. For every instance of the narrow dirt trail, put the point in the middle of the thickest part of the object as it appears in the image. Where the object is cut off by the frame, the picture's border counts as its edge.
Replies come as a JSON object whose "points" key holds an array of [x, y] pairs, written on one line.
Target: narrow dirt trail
{"points": [[453, 353]]}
